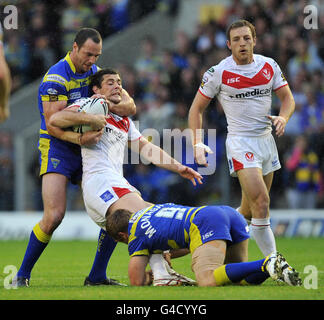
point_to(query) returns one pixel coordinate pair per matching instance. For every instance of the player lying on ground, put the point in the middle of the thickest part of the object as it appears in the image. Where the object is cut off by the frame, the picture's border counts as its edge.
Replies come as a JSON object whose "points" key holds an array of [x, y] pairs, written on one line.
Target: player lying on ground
{"points": [[217, 237], [103, 184]]}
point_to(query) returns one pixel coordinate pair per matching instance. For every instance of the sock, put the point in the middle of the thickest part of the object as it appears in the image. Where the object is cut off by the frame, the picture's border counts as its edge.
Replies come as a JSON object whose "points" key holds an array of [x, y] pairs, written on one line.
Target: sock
{"points": [[106, 246], [235, 272], [255, 278], [38, 241], [158, 267], [263, 235]]}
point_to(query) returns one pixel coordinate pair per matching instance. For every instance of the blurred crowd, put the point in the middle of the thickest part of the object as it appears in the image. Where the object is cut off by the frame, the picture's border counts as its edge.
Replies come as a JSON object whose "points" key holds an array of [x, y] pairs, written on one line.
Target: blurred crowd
{"points": [[164, 82], [47, 29]]}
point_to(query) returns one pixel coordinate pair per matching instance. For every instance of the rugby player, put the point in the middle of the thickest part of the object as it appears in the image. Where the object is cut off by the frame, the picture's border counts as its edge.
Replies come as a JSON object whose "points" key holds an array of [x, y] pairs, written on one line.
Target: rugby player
{"points": [[5, 83], [103, 184], [214, 234], [243, 84], [59, 150]]}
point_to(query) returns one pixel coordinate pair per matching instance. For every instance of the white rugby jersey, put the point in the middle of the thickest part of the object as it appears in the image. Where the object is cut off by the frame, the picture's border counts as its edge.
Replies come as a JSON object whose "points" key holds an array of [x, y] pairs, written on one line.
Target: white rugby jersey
{"points": [[244, 91], [108, 153]]}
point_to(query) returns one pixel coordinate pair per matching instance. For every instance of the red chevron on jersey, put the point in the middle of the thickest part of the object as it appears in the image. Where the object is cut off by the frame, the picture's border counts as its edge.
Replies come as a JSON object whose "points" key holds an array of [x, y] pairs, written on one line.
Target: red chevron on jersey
{"points": [[238, 81], [122, 124]]}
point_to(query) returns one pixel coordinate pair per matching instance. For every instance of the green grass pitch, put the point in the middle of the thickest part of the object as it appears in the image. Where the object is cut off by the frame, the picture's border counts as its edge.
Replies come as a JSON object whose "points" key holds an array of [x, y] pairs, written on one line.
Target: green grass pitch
{"points": [[60, 272]]}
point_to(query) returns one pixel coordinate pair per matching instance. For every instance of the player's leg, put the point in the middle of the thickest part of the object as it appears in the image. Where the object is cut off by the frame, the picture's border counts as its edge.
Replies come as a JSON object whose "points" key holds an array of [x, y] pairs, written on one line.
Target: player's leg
{"points": [[54, 200], [106, 245], [237, 252], [256, 192]]}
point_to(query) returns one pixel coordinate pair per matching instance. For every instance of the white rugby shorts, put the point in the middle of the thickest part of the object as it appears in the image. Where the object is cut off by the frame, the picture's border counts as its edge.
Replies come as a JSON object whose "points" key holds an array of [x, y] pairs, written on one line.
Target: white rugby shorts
{"points": [[100, 191], [252, 152]]}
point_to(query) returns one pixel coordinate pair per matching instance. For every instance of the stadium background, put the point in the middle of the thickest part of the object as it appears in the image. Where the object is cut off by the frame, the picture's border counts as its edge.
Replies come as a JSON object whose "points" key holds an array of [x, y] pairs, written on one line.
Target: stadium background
{"points": [[161, 48]]}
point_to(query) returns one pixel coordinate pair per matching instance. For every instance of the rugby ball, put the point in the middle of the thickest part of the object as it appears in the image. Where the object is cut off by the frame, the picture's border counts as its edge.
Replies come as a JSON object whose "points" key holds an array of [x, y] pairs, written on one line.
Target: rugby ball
{"points": [[93, 106]]}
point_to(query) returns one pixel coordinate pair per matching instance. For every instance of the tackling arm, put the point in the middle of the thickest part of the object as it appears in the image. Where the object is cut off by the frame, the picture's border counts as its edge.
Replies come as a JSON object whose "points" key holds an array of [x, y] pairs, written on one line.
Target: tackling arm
{"points": [[125, 108]]}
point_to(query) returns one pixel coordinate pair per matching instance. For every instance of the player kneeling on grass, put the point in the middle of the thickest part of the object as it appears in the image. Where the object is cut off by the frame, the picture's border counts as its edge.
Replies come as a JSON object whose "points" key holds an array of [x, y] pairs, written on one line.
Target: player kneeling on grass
{"points": [[217, 237]]}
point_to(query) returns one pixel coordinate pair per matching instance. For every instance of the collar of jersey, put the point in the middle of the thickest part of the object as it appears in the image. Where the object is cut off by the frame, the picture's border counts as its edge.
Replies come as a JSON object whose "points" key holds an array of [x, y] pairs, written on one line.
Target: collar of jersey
{"points": [[69, 61]]}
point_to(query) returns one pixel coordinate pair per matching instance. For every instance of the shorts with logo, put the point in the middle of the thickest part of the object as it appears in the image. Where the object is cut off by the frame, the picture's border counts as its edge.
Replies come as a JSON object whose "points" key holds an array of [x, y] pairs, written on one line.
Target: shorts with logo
{"points": [[217, 223], [100, 191], [252, 152], [57, 156]]}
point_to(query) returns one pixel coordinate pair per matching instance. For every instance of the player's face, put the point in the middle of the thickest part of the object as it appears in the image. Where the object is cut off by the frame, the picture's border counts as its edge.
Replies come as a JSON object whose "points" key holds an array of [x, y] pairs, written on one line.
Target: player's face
{"points": [[86, 55], [111, 87], [241, 44]]}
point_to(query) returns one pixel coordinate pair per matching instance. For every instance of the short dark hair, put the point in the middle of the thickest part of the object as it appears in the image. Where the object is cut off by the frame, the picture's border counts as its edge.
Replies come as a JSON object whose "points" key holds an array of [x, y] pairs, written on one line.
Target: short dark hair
{"points": [[238, 24], [117, 222], [96, 79], [87, 33]]}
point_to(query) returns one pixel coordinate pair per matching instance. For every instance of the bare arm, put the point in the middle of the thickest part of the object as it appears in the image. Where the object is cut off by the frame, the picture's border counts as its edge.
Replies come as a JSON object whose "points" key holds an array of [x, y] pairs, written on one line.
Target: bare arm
{"points": [[286, 110], [5, 87], [195, 120], [126, 107], [161, 159], [69, 117], [136, 270]]}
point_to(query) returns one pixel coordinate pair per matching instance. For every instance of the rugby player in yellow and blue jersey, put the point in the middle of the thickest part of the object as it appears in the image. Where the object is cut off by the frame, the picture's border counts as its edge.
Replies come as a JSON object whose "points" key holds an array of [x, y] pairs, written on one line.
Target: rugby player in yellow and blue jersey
{"points": [[214, 235], [59, 150]]}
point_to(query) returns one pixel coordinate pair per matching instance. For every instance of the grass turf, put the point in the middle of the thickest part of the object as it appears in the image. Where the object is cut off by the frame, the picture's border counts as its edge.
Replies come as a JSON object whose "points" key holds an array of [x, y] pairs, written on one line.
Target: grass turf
{"points": [[60, 272]]}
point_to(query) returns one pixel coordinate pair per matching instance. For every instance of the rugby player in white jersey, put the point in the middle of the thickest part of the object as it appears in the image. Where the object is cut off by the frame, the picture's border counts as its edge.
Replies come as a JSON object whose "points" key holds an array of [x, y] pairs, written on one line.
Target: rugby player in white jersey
{"points": [[243, 84], [104, 187]]}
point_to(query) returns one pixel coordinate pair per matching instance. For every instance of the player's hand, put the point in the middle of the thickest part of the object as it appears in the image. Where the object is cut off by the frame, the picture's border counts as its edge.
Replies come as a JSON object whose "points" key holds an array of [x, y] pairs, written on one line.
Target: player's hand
{"points": [[200, 151], [98, 122], [190, 174], [91, 137], [100, 96], [279, 123]]}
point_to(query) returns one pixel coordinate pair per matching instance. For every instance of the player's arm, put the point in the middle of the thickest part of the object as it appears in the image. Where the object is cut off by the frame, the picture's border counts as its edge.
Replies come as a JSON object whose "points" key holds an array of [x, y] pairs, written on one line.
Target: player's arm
{"points": [[51, 108], [195, 120], [126, 107], [286, 110], [70, 117], [160, 158], [5, 86], [136, 270]]}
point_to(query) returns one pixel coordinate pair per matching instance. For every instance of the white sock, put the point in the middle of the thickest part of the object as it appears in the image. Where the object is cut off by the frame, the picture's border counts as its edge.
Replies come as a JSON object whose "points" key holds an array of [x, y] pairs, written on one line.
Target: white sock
{"points": [[158, 267], [263, 235]]}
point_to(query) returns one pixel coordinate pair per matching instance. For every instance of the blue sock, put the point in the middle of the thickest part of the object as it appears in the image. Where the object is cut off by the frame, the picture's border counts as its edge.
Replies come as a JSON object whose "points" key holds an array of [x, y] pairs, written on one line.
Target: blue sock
{"points": [[38, 241], [106, 246], [239, 271], [256, 278]]}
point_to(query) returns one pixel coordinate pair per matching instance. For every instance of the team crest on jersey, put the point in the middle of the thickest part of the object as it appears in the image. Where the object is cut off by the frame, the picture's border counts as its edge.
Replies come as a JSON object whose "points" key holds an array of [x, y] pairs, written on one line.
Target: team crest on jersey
{"points": [[55, 162], [266, 73], [249, 156]]}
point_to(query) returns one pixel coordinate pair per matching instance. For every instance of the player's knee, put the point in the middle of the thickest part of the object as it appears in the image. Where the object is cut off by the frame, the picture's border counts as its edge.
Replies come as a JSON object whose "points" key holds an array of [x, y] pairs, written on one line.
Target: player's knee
{"points": [[206, 279], [261, 204], [52, 221]]}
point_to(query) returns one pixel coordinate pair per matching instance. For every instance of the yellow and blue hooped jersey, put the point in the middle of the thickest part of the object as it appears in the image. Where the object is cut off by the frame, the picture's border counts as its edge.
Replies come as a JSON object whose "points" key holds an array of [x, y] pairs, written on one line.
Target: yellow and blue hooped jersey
{"points": [[170, 226], [61, 83]]}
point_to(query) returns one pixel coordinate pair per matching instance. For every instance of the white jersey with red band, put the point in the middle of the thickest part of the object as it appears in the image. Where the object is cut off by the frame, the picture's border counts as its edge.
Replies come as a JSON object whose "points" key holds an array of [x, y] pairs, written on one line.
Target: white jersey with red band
{"points": [[108, 153], [245, 93]]}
